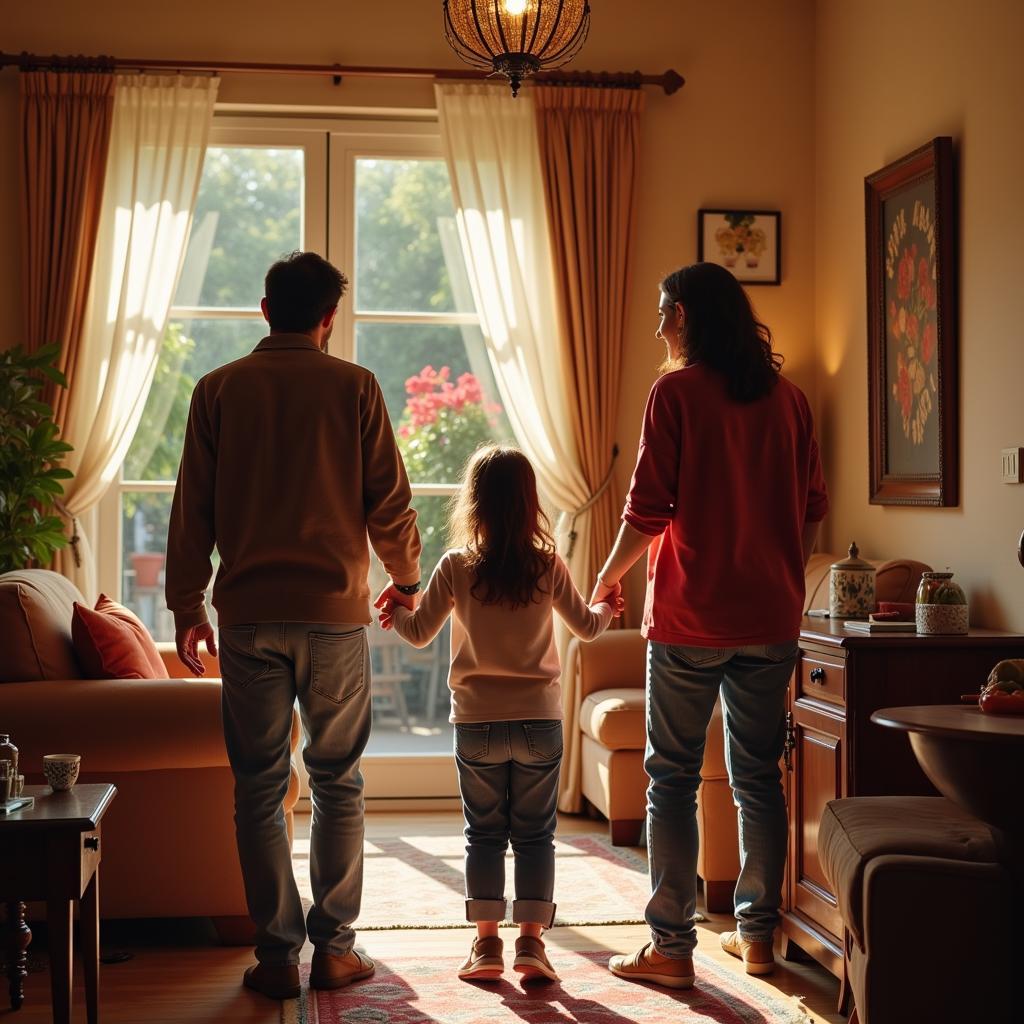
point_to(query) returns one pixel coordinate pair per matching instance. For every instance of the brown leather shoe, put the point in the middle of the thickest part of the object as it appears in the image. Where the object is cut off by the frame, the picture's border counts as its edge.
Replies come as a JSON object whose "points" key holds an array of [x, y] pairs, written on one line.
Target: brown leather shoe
{"points": [[758, 956], [532, 960], [275, 981], [647, 964], [485, 962], [332, 971]]}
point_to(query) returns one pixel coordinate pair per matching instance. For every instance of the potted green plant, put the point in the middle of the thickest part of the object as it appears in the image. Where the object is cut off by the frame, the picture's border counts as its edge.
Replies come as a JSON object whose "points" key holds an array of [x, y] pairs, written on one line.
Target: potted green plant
{"points": [[30, 457]]}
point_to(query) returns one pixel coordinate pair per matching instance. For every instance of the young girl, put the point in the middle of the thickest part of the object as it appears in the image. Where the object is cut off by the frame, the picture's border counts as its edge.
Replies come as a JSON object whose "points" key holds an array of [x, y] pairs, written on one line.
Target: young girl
{"points": [[502, 582]]}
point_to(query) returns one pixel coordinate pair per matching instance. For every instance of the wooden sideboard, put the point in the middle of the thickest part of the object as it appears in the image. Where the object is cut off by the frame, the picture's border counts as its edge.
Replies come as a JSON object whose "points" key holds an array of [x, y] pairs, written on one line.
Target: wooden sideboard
{"points": [[834, 750]]}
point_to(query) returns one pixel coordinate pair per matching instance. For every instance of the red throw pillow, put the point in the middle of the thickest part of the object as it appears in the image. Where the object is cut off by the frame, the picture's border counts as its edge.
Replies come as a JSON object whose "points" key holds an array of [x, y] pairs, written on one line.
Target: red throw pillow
{"points": [[110, 607], [109, 643]]}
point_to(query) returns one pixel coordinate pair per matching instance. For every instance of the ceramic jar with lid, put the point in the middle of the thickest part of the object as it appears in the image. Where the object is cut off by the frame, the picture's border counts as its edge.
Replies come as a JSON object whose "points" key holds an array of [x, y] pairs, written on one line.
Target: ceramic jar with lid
{"points": [[941, 605], [851, 587]]}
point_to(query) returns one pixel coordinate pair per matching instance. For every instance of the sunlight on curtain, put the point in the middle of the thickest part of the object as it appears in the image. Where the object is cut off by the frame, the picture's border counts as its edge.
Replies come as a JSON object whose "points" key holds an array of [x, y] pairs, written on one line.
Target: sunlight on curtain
{"points": [[157, 145], [490, 144]]}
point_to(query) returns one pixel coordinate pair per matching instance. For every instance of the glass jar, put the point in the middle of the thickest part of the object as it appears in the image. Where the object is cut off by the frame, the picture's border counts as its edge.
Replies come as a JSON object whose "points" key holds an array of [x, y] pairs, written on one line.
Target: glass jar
{"points": [[851, 587], [941, 605]]}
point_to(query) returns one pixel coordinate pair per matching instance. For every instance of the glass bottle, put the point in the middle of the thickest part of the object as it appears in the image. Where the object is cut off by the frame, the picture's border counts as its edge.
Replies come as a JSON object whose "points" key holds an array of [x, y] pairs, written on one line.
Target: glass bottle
{"points": [[9, 752]]}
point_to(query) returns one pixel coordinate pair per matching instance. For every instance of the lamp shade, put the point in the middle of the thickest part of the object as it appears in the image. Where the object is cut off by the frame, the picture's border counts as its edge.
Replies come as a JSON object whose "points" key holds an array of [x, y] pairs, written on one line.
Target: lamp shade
{"points": [[516, 37]]}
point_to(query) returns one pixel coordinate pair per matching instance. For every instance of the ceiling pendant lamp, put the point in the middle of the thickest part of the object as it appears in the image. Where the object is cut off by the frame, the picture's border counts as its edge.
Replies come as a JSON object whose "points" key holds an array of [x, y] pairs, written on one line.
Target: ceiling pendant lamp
{"points": [[516, 38]]}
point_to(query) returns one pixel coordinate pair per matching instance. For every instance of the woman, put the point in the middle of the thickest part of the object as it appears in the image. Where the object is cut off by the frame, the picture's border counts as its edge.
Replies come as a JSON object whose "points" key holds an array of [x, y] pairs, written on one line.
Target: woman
{"points": [[727, 495]]}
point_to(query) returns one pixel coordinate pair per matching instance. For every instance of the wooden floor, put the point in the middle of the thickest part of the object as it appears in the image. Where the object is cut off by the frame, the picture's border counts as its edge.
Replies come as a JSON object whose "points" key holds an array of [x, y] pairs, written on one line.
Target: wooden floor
{"points": [[179, 973]]}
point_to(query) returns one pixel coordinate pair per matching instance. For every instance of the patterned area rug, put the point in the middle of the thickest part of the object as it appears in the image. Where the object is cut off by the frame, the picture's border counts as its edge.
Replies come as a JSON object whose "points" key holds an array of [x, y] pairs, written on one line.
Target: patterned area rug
{"points": [[417, 882], [426, 991]]}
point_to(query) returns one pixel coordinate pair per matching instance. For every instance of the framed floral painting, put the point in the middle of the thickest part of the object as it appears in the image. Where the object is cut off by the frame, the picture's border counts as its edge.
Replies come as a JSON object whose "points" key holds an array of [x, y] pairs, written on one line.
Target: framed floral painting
{"points": [[747, 242], [912, 329]]}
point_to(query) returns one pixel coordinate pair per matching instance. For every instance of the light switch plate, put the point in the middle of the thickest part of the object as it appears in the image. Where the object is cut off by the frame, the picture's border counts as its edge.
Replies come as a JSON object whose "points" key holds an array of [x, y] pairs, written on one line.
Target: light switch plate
{"points": [[1013, 463]]}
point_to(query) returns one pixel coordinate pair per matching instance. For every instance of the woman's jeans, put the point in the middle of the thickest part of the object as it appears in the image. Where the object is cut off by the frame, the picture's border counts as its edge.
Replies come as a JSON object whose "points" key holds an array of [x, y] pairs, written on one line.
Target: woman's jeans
{"points": [[508, 778], [682, 684]]}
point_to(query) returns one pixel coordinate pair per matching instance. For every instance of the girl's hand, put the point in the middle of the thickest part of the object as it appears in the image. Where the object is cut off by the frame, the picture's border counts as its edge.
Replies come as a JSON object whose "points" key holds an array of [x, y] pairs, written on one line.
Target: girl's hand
{"points": [[387, 615], [605, 594]]}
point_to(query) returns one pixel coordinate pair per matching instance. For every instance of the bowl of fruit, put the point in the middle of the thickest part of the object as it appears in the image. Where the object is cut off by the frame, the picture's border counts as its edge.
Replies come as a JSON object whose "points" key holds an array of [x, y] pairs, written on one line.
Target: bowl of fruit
{"points": [[1003, 692]]}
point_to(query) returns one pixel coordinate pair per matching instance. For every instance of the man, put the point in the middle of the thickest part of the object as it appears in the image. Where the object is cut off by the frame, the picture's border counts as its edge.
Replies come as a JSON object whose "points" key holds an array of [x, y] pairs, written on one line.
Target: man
{"points": [[289, 464]]}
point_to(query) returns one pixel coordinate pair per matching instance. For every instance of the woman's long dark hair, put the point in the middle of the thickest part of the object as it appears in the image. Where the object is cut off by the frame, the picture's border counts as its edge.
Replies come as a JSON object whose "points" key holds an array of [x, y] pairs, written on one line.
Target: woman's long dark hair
{"points": [[721, 330], [497, 518]]}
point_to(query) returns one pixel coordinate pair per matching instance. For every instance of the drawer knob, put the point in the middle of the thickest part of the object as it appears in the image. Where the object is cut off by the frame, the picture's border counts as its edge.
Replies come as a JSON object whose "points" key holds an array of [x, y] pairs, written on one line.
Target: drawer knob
{"points": [[92, 842], [817, 675]]}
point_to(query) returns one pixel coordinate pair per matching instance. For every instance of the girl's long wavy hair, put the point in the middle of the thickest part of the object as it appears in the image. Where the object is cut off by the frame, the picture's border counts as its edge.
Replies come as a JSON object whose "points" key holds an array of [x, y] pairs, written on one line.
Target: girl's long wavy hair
{"points": [[722, 331], [497, 518]]}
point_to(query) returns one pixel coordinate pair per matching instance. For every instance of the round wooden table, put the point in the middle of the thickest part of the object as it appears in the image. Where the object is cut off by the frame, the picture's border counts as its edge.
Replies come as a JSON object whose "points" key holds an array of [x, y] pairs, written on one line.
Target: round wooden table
{"points": [[972, 758]]}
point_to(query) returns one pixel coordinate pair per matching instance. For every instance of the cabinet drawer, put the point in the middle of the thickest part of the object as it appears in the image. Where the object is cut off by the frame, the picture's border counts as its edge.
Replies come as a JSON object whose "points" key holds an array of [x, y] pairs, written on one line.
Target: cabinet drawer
{"points": [[822, 677]]}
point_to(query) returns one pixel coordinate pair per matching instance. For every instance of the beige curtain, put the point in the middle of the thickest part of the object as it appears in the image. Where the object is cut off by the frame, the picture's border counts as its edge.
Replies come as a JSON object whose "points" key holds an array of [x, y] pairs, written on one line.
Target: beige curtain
{"points": [[157, 145], [590, 152], [65, 133]]}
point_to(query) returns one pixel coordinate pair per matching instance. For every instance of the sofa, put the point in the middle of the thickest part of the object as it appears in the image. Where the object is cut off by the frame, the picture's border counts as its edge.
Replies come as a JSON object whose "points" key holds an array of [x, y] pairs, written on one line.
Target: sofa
{"points": [[168, 838], [908, 869], [609, 683]]}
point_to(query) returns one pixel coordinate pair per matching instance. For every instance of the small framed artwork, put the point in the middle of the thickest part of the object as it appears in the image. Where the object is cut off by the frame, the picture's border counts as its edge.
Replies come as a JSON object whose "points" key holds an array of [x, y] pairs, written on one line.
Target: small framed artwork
{"points": [[747, 242], [912, 329]]}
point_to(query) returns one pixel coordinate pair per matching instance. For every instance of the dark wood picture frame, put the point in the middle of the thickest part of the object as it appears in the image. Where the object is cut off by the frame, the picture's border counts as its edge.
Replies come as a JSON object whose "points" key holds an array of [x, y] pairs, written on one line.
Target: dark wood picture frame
{"points": [[913, 377], [763, 266]]}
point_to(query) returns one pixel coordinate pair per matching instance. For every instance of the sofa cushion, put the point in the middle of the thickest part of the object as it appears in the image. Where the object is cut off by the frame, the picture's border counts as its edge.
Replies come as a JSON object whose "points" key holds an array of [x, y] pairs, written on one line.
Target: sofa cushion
{"points": [[854, 831], [109, 647], [615, 718], [35, 623]]}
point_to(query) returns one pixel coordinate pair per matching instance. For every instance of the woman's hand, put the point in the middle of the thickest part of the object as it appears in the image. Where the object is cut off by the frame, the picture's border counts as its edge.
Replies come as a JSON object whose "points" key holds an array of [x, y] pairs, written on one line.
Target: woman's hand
{"points": [[605, 593]]}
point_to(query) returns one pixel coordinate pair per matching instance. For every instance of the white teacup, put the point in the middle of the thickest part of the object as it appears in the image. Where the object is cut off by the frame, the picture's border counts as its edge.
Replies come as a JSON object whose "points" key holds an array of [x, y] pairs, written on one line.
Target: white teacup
{"points": [[61, 770]]}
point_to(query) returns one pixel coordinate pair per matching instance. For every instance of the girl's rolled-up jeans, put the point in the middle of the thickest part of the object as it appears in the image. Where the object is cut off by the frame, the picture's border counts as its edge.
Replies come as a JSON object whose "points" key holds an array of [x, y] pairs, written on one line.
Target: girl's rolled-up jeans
{"points": [[508, 778]]}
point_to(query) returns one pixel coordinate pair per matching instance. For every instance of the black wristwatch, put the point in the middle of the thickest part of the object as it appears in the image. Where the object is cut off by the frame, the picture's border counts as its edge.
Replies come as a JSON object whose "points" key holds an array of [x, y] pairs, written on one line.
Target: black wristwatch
{"points": [[407, 588]]}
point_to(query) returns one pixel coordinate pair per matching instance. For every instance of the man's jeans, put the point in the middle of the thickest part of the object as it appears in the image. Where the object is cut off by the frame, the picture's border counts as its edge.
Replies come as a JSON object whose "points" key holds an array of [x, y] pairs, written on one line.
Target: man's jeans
{"points": [[682, 684], [508, 778], [265, 667]]}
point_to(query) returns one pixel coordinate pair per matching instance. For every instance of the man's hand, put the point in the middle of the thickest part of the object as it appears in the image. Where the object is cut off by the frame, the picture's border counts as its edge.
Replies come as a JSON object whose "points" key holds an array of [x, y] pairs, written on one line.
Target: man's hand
{"points": [[394, 595], [387, 613], [187, 641]]}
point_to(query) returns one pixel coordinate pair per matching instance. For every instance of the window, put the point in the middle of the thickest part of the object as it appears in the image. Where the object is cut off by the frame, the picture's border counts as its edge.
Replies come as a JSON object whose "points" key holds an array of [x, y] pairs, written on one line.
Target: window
{"points": [[375, 198], [251, 208]]}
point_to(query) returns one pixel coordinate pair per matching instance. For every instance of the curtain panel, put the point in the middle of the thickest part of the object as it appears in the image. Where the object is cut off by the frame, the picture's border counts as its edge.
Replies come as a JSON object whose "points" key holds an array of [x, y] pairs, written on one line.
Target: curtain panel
{"points": [[157, 145], [65, 135], [590, 152]]}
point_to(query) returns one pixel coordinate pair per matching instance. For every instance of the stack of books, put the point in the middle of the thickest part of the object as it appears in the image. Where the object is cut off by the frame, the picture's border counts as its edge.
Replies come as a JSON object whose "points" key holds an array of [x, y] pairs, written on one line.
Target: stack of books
{"points": [[888, 626]]}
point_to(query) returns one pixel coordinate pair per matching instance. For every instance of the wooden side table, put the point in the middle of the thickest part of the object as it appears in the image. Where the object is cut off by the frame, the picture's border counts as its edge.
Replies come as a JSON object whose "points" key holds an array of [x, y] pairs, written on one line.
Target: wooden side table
{"points": [[51, 852]]}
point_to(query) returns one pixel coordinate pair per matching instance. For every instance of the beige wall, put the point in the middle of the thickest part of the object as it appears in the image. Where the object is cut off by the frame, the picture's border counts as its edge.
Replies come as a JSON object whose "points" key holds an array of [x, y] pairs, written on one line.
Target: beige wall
{"points": [[891, 76], [740, 132]]}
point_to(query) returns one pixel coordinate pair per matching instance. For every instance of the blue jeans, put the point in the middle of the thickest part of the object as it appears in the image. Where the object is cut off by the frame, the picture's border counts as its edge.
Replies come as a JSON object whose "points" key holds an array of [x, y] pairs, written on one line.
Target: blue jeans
{"points": [[682, 684], [266, 666], [508, 778]]}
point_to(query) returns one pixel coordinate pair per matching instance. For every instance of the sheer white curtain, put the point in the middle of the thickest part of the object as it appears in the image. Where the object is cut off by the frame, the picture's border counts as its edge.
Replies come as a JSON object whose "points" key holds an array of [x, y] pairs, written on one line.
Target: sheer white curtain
{"points": [[490, 144], [157, 145]]}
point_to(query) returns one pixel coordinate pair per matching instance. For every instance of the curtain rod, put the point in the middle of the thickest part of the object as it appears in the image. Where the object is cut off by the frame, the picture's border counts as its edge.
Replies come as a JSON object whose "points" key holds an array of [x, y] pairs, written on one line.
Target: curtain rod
{"points": [[671, 81]]}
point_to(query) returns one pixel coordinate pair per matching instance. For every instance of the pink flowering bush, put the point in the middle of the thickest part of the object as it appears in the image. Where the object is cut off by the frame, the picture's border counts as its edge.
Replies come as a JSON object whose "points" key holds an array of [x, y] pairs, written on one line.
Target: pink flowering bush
{"points": [[442, 424]]}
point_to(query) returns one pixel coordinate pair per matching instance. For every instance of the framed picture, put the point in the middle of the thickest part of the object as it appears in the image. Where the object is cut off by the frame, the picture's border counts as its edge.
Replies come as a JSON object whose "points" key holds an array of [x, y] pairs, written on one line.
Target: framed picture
{"points": [[747, 242], [912, 329]]}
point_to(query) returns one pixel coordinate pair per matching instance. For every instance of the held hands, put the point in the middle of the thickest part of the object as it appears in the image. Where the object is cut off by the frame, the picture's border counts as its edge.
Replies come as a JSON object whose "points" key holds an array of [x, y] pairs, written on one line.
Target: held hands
{"points": [[604, 594], [187, 641], [386, 601]]}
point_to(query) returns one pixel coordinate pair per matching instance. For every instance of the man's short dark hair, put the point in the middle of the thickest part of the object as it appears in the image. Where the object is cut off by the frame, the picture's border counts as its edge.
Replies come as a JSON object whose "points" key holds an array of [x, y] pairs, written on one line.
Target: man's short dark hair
{"points": [[301, 290]]}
